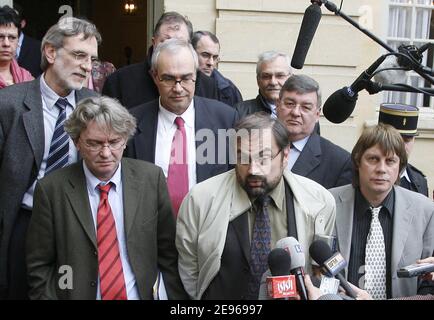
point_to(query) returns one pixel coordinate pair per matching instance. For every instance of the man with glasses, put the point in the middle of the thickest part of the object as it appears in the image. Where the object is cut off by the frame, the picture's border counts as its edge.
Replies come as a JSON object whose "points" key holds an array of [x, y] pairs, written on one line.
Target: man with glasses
{"points": [[105, 220], [32, 140], [311, 156], [207, 46], [272, 70], [171, 128], [228, 224]]}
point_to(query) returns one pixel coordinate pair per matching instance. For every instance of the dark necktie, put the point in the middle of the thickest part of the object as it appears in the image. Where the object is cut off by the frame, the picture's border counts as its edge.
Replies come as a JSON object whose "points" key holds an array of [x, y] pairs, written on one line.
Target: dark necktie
{"points": [[177, 178], [111, 275], [59, 148], [260, 246]]}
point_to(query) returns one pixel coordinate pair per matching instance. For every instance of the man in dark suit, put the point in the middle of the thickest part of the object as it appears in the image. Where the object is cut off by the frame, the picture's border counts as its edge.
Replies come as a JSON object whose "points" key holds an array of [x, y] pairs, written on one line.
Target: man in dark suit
{"points": [[404, 119], [272, 70], [207, 46], [311, 156], [105, 220], [133, 85], [29, 49], [32, 140], [174, 66]]}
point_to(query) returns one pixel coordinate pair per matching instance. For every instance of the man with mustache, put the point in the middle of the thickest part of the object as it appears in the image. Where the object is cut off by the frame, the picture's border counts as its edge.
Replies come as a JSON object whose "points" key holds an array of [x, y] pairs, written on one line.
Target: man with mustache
{"points": [[312, 156], [32, 140], [228, 224], [380, 226]]}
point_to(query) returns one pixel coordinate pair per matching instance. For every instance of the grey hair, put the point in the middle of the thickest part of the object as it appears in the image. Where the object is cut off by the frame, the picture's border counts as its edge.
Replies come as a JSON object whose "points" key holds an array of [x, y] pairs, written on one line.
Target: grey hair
{"points": [[262, 120], [106, 112], [173, 46], [67, 27], [269, 56], [302, 84]]}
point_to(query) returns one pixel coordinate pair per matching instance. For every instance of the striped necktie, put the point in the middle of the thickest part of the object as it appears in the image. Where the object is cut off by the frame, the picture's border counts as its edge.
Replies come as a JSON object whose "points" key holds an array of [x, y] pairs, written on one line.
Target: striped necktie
{"points": [[111, 275], [59, 148]]}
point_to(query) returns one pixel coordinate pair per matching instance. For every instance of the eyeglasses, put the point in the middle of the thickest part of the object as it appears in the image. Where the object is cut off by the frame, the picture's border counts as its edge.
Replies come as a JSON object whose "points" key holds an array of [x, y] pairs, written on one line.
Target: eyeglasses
{"points": [[81, 56], [268, 76], [10, 37], [261, 160], [168, 81], [97, 146]]}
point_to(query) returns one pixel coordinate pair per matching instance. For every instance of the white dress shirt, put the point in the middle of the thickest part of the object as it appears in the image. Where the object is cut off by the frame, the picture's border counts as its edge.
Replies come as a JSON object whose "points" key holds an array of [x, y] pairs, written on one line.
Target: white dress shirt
{"points": [[51, 113], [115, 199], [295, 151], [165, 132]]}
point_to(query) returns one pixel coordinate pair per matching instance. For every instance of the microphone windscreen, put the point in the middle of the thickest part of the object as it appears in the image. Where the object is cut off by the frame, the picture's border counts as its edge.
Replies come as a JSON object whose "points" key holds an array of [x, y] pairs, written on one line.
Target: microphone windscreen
{"points": [[339, 106], [311, 19], [290, 244], [279, 262], [320, 251]]}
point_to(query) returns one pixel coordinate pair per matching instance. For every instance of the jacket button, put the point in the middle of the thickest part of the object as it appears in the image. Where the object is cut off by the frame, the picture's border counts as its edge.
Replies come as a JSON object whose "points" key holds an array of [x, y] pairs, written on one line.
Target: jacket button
{"points": [[95, 253], [93, 284]]}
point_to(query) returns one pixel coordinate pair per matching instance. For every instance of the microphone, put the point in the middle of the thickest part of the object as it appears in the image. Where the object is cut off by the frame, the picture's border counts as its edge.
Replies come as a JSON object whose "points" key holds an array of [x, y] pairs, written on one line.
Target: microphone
{"points": [[331, 263], [298, 261], [310, 23], [281, 285], [339, 106], [415, 270]]}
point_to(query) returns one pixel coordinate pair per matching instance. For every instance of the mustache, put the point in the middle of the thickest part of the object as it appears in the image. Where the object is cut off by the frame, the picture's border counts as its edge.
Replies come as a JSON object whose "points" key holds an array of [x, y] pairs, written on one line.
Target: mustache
{"points": [[255, 178]]}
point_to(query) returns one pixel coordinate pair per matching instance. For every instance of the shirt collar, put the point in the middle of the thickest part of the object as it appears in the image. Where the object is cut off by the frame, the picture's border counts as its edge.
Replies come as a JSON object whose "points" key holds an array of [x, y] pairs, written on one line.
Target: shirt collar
{"points": [[364, 205], [188, 116], [93, 182], [50, 97], [405, 175], [300, 144]]}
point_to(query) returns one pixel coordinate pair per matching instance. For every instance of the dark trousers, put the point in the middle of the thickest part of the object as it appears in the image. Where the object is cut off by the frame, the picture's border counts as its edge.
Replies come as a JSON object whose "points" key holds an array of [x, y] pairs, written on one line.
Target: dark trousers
{"points": [[17, 271]]}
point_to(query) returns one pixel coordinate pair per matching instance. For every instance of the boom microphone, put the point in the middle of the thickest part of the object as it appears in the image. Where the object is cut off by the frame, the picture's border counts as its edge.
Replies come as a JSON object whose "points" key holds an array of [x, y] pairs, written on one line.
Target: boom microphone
{"points": [[311, 19], [341, 103], [298, 262], [331, 263]]}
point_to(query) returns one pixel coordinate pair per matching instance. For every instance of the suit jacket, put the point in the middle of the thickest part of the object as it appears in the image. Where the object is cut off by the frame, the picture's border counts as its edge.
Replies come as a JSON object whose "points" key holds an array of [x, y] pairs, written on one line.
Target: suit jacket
{"points": [[418, 179], [247, 107], [228, 91], [133, 85], [21, 151], [413, 232], [62, 232], [324, 162], [210, 114], [30, 56]]}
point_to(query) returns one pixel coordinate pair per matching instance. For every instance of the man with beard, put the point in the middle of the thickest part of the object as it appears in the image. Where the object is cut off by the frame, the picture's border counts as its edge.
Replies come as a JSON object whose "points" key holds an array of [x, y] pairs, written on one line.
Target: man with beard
{"points": [[32, 140], [228, 224]]}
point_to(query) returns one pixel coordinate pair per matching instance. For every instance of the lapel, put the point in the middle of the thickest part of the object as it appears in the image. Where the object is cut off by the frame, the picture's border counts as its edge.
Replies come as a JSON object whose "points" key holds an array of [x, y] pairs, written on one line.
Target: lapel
{"points": [[201, 121], [146, 137], [133, 189], [344, 220], [79, 201], [310, 157], [34, 121], [402, 218]]}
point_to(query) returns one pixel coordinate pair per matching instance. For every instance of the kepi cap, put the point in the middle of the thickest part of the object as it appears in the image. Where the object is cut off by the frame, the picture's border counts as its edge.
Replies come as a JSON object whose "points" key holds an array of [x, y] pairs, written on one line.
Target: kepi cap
{"points": [[400, 116]]}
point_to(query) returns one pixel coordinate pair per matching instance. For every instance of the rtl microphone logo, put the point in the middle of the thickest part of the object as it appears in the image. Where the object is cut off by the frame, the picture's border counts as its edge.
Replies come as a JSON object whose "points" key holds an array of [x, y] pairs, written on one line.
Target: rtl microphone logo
{"points": [[281, 287]]}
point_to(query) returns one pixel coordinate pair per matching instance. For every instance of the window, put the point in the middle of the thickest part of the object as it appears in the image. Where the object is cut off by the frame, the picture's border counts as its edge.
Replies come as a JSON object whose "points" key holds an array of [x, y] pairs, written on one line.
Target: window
{"points": [[411, 23]]}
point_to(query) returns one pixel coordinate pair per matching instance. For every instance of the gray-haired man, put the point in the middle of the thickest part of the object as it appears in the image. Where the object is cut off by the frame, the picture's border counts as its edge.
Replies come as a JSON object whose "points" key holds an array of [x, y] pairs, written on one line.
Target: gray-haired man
{"points": [[32, 140]]}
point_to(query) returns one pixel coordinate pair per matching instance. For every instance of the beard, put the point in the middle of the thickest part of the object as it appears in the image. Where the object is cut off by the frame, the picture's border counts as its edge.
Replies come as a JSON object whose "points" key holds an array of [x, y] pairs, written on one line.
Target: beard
{"points": [[257, 186]]}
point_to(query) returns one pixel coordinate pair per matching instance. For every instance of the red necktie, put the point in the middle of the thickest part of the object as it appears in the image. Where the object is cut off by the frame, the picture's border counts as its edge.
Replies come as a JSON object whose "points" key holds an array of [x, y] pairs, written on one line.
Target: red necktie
{"points": [[111, 274], [177, 179]]}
